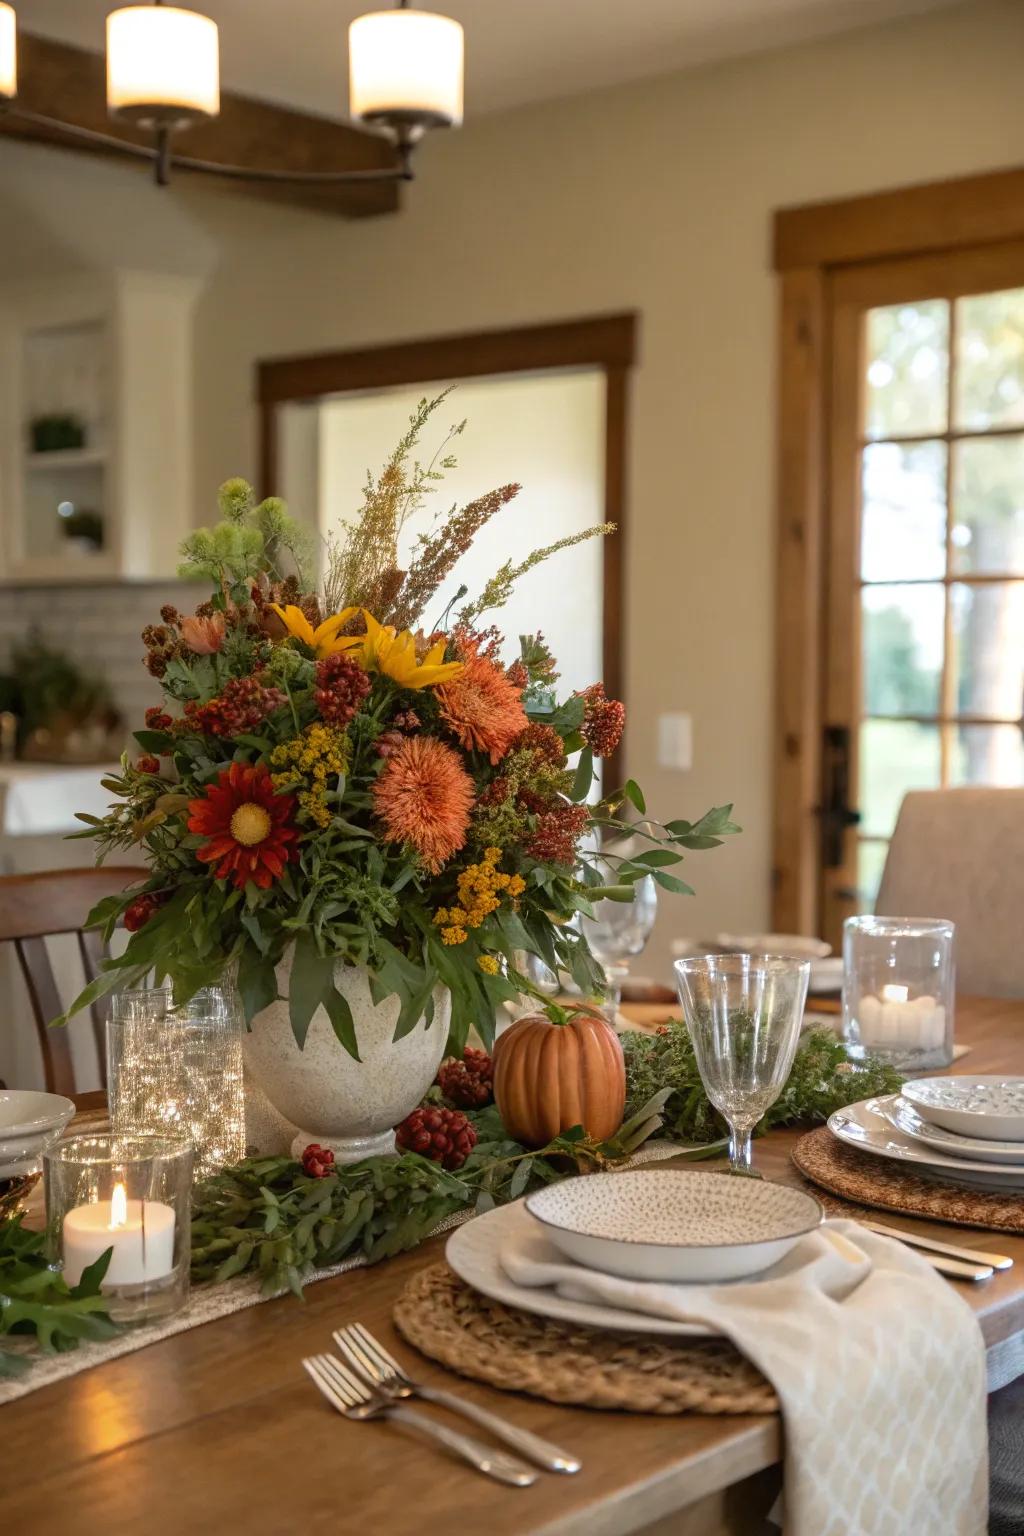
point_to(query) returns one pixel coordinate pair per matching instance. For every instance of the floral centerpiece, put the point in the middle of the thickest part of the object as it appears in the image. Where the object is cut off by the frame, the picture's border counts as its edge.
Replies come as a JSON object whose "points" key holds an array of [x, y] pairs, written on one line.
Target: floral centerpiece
{"points": [[364, 817]]}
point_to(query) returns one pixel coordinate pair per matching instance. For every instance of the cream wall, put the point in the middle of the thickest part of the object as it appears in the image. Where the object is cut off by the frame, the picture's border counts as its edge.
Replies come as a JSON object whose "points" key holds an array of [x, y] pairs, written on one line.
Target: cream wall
{"points": [[656, 197]]}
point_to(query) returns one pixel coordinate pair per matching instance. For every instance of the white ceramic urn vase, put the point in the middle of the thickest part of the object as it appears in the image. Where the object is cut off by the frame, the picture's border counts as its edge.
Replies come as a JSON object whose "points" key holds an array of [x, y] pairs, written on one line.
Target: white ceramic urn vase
{"points": [[321, 1091]]}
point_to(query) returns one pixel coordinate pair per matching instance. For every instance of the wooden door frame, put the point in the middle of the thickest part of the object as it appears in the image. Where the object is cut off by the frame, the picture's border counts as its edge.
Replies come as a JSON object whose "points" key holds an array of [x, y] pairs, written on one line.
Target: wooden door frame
{"points": [[607, 342], [812, 245]]}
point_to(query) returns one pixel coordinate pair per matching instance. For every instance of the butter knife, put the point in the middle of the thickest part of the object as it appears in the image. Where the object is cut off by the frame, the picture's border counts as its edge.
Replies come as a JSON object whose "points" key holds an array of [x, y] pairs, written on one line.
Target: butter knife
{"points": [[932, 1245]]}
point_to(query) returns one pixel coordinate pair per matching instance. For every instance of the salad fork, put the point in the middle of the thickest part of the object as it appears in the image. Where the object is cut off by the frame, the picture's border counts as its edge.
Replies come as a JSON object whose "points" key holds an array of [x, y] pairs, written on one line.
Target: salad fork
{"points": [[353, 1398], [373, 1364]]}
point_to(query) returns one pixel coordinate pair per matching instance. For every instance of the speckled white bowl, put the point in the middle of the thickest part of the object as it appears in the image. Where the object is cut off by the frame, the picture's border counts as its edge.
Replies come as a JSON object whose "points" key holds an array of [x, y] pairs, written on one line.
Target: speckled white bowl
{"points": [[666, 1224], [989, 1107]]}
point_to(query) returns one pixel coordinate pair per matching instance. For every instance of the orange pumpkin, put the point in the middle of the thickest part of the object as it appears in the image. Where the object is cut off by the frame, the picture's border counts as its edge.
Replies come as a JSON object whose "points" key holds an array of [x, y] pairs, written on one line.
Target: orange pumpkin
{"points": [[549, 1076]]}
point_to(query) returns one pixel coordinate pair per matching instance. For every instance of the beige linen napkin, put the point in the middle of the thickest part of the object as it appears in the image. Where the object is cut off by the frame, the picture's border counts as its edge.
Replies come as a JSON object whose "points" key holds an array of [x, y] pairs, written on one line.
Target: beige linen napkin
{"points": [[878, 1362]]}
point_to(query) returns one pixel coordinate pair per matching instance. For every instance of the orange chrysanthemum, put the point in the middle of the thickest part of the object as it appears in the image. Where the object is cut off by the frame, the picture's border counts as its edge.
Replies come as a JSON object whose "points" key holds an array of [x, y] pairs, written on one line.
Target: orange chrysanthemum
{"points": [[482, 707], [423, 797]]}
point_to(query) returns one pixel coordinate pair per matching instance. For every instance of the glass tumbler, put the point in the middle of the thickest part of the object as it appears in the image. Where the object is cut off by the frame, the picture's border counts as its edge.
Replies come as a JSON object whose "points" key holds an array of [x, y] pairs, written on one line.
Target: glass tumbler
{"points": [[744, 1015], [129, 1195], [898, 990], [178, 1071]]}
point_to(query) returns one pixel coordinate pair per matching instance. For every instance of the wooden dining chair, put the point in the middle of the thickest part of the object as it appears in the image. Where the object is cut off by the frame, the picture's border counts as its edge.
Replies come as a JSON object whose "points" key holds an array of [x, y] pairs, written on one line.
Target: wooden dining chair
{"points": [[36, 907]]}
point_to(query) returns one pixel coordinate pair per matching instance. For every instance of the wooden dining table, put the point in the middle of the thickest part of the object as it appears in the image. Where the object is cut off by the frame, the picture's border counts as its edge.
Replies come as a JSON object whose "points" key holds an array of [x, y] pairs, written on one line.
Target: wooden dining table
{"points": [[218, 1429]]}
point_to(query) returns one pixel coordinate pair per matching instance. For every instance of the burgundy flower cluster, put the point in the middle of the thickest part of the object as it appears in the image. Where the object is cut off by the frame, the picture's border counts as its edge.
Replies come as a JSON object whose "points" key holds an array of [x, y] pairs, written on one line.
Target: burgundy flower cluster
{"points": [[341, 686], [243, 704], [543, 742], [557, 832], [603, 720]]}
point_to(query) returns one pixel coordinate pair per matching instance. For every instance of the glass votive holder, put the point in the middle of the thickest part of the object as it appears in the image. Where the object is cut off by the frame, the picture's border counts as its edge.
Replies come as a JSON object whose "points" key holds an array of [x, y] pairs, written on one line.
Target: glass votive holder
{"points": [[178, 1071], [898, 990], [129, 1194]]}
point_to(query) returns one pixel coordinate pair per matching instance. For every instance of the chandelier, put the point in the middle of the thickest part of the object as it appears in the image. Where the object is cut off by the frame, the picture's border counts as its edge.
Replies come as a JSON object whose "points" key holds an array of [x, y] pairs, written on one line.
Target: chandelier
{"points": [[163, 72]]}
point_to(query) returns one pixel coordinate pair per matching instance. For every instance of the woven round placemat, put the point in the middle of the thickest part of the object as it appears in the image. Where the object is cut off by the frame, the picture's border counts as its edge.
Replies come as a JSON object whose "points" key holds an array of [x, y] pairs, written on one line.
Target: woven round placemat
{"points": [[889, 1186], [519, 1352]]}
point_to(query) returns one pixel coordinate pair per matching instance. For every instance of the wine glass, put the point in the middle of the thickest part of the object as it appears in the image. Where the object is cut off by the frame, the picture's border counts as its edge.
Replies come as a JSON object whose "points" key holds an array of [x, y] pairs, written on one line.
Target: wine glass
{"points": [[618, 931], [744, 1014]]}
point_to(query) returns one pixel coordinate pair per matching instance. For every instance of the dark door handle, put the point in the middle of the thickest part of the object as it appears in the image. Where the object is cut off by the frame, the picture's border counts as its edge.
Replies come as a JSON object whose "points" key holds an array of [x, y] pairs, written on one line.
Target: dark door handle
{"points": [[837, 814]]}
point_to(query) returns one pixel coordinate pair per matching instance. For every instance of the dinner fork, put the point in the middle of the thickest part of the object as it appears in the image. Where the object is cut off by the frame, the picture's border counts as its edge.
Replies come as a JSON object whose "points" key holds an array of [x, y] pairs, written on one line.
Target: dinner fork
{"points": [[372, 1362], [353, 1398]]}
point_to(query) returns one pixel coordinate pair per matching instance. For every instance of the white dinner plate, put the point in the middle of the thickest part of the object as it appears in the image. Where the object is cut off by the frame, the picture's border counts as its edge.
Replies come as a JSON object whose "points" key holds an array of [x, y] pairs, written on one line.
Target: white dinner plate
{"points": [[974, 1148], [472, 1251], [992, 1107], [868, 1127]]}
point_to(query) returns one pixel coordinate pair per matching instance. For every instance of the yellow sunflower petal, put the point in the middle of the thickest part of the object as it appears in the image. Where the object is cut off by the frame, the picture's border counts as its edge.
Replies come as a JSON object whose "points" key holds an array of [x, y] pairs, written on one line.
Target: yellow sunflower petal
{"points": [[325, 636], [296, 623]]}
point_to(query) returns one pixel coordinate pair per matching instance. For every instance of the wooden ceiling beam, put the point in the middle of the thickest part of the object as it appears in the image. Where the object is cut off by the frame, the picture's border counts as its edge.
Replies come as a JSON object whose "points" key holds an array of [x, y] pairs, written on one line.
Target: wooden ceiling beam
{"points": [[61, 81]]}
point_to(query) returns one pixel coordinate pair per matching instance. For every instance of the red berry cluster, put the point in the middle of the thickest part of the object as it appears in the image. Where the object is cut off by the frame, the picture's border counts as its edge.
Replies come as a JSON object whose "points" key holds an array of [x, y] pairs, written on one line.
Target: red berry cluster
{"points": [[517, 674], [603, 720], [557, 832], [341, 686], [138, 914], [443, 1135], [147, 763], [243, 705], [407, 720], [468, 1083], [157, 720], [317, 1161]]}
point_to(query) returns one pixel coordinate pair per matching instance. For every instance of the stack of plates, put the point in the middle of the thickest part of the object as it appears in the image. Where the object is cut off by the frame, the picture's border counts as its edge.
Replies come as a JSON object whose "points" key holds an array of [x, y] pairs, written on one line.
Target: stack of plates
{"points": [[963, 1130]]}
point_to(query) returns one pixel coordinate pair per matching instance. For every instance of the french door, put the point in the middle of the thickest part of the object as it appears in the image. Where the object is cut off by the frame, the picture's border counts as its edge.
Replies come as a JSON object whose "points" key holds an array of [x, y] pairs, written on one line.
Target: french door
{"points": [[923, 664]]}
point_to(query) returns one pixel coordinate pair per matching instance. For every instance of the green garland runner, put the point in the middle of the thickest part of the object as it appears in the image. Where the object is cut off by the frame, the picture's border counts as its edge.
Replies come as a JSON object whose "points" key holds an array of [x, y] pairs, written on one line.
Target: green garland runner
{"points": [[823, 1079], [35, 1299], [265, 1215]]}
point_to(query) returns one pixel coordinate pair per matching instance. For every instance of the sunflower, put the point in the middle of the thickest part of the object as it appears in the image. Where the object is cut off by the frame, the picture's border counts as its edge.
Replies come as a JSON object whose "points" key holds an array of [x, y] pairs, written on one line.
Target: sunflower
{"points": [[325, 639], [249, 828], [382, 650], [482, 707], [423, 797]]}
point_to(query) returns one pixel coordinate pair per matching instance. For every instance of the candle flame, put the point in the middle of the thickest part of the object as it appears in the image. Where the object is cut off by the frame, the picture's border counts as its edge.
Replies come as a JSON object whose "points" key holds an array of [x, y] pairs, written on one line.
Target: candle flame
{"points": [[118, 1208], [891, 994]]}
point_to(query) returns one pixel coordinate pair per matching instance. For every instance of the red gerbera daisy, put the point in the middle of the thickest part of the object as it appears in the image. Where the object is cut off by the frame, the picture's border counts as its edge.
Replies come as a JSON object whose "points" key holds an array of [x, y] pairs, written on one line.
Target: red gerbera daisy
{"points": [[249, 827]]}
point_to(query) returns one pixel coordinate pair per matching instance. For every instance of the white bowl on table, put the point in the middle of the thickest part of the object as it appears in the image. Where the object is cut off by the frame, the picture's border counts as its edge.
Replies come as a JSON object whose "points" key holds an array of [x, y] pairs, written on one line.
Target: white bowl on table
{"points": [[667, 1225], [989, 1107], [30, 1121]]}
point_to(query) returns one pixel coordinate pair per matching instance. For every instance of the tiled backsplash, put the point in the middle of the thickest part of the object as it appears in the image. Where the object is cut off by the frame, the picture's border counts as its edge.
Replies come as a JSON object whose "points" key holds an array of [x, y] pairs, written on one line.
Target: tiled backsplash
{"points": [[100, 627]]}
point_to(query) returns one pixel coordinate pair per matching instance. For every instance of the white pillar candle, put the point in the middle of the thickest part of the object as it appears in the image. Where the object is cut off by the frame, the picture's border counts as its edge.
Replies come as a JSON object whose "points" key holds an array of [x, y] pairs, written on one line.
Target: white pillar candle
{"points": [[141, 1233], [891, 1020]]}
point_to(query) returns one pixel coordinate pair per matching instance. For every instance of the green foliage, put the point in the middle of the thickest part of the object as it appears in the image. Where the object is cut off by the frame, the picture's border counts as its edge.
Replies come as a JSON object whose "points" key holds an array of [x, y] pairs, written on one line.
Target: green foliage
{"points": [[36, 1301], [823, 1079], [266, 1216], [249, 542]]}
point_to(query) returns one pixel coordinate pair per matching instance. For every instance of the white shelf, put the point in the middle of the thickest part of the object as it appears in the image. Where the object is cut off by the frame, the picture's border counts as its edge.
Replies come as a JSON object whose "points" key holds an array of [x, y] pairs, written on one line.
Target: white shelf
{"points": [[66, 458]]}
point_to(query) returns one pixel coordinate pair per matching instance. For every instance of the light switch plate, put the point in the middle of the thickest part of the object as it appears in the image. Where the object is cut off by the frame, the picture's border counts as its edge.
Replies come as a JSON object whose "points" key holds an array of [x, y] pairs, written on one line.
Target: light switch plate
{"points": [[675, 741]]}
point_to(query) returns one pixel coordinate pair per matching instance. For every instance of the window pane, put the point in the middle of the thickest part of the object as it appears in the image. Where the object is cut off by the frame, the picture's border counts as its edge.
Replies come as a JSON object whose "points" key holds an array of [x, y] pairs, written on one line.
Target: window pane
{"points": [[990, 359], [870, 863], [903, 528], [902, 641], [988, 648], [988, 506], [908, 363], [987, 754], [895, 755]]}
